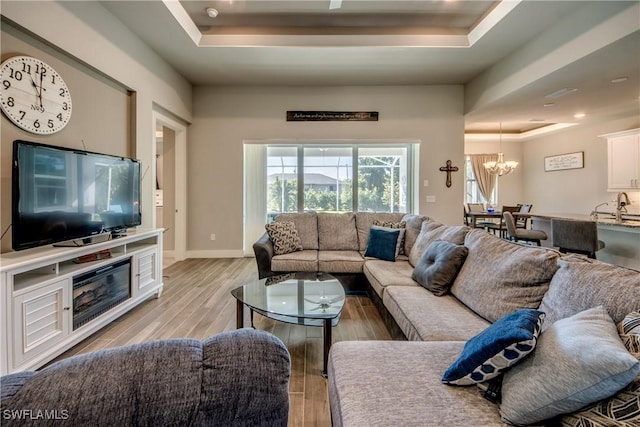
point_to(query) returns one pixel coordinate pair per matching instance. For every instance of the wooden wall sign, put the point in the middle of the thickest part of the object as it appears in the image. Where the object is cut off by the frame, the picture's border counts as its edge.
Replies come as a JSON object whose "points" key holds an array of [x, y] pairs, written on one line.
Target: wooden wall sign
{"points": [[332, 116], [564, 161]]}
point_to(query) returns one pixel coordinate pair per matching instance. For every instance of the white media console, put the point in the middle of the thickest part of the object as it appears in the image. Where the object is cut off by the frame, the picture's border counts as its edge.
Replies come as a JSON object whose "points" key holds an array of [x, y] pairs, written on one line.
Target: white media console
{"points": [[44, 310]]}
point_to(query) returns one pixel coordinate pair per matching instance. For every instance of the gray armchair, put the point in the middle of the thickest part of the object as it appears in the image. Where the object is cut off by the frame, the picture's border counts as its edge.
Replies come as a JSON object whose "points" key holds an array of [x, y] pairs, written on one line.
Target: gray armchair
{"points": [[238, 378]]}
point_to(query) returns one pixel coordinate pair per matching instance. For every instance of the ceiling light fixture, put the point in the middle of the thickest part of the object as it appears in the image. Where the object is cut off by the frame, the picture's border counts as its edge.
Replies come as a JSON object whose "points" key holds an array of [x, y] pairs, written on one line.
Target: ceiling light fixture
{"points": [[500, 167], [549, 104], [579, 115], [619, 79], [561, 92], [212, 12]]}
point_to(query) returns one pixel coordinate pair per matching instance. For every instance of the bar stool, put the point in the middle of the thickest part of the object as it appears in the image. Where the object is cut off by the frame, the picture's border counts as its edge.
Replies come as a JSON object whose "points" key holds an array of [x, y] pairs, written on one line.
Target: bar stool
{"points": [[576, 236]]}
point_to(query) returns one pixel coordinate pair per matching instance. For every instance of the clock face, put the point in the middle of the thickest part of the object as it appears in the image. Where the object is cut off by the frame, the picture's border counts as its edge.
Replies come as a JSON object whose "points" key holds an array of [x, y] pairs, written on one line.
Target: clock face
{"points": [[34, 96]]}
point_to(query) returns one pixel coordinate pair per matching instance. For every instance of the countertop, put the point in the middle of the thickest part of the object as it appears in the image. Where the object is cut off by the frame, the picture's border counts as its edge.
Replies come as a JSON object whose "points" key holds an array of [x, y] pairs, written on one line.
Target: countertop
{"points": [[604, 219]]}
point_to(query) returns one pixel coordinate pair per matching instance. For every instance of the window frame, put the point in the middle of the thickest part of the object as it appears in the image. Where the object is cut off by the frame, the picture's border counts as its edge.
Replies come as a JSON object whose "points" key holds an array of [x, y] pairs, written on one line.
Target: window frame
{"points": [[411, 156]]}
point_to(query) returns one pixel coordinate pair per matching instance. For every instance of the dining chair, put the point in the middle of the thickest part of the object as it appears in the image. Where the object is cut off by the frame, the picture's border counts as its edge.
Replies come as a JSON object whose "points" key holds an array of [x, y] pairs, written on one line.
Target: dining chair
{"points": [[474, 207], [516, 234], [576, 236], [521, 221], [500, 227]]}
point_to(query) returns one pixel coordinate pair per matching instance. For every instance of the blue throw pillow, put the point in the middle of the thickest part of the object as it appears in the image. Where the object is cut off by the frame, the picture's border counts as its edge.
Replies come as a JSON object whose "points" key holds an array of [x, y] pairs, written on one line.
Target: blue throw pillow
{"points": [[382, 243], [496, 348]]}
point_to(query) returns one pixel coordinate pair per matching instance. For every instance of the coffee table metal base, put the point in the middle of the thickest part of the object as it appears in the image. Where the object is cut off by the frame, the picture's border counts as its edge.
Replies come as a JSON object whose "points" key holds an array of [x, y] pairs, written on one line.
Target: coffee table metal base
{"points": [[327, 325]]}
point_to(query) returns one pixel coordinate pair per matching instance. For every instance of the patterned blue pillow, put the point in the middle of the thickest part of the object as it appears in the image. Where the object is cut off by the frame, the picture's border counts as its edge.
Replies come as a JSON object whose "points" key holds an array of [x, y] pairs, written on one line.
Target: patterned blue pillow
{"points": [[496, 348], [382, 243]]}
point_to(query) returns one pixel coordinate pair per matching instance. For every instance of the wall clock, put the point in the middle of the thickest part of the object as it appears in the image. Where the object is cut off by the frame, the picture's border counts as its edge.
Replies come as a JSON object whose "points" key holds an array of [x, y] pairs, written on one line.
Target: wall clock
{"points": [[34, 96]]}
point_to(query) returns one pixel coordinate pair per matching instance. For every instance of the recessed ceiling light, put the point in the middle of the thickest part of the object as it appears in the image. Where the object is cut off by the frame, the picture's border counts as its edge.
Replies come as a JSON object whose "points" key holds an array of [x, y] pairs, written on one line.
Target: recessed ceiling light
{"points": [[549, 104], [536, 120], [212, 12], [579, 115], [561, 92], [619, 79]]}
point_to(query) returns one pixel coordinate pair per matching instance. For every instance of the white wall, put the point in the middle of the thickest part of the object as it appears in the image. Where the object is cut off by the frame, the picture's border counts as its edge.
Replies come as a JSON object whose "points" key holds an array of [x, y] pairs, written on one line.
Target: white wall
{"points": [[576, 190], [223, 117]]}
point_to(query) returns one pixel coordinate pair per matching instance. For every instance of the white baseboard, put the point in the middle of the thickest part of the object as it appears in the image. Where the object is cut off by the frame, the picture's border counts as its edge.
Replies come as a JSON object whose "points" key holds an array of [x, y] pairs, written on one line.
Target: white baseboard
{"points": [[232, 253]]}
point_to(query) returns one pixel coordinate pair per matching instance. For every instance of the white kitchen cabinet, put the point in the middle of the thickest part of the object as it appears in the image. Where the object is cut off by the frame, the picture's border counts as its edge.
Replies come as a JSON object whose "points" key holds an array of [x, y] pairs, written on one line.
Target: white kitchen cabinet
{"points": [[623, 160]]}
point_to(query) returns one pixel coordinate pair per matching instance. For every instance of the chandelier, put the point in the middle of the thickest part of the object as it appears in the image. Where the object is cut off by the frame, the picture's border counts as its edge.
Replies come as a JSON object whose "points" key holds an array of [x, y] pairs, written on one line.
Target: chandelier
{"points": [[500, 167]]}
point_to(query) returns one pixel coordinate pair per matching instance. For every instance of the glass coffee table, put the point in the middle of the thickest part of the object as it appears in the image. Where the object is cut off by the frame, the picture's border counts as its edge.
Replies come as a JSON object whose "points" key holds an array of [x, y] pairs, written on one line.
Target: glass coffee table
{"points": [[297, 298]]}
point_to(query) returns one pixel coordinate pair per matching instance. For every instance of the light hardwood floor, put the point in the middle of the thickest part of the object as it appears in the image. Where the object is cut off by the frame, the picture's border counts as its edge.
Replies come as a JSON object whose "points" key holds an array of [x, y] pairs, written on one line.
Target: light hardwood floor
{"points": [[197, 303]]}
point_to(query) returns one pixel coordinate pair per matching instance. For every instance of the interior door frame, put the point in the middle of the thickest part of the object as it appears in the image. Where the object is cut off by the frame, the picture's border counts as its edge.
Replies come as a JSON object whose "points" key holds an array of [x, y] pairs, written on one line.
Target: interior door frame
{"points": [[180, 184]]}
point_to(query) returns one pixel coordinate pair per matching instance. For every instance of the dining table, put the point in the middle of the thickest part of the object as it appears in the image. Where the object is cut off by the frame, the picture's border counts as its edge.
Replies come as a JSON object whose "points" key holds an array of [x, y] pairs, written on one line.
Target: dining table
{"points": [[474, 216]]}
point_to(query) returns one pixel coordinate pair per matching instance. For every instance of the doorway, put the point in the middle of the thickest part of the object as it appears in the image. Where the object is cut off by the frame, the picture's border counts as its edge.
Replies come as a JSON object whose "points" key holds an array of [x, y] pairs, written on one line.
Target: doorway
{"points": [[170, 198]]}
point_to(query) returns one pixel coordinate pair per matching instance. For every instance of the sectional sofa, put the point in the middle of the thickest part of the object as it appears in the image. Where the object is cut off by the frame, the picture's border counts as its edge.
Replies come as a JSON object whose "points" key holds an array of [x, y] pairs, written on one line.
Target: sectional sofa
{"points": [[400, 382]]}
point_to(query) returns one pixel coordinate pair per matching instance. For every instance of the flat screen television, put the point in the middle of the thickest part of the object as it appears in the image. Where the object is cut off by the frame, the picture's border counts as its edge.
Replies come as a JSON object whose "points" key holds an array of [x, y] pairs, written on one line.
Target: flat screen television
{"points": [[68, 195]]}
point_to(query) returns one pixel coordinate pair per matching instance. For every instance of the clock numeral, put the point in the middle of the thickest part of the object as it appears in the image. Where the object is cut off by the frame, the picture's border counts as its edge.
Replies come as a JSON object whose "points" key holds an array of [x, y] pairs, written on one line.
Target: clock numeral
{"points": [[65, 106], [62, 91], [53, 79], [40, 69], [59, 116], [26, 68], [36, 124], [6, 84], [50, 124], [15, 74], [22, 114], [11, 102]]}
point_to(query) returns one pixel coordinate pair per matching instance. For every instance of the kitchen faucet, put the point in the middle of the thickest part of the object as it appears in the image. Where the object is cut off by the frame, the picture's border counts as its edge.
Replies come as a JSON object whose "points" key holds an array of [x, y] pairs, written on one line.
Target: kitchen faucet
{"points": [[621, 205], [594, 212]]}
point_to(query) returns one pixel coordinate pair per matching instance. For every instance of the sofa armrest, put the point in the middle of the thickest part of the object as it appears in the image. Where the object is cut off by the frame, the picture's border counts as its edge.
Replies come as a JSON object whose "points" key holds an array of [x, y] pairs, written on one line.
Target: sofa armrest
{"points": [[169, 382], [251, 370], [263, 249]]}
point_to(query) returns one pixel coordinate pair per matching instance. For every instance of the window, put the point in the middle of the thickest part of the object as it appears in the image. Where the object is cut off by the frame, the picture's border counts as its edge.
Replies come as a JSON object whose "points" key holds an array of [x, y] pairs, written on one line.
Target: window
{"points": [[338, 178], [472, 194]]}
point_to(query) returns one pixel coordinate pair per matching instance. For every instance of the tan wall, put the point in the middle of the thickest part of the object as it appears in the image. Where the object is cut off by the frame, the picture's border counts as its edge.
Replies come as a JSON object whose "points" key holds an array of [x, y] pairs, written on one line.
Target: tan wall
{"points": [[510, 187], [226, 116], [575, 190], [86, 33]]}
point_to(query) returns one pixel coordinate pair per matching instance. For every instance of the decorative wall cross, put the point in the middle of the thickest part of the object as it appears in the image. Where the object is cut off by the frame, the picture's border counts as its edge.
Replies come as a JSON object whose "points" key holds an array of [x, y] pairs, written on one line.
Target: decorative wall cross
{"points": [[448, 169]]}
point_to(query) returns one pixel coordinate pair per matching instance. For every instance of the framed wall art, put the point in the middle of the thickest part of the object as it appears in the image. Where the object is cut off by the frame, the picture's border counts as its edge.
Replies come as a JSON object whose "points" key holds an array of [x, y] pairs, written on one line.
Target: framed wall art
{"points": [[564, 162]]}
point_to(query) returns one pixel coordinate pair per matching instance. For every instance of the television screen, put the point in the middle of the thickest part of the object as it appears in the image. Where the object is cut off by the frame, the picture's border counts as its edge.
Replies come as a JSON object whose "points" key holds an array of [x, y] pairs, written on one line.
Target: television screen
{"points": [[62, 194]]}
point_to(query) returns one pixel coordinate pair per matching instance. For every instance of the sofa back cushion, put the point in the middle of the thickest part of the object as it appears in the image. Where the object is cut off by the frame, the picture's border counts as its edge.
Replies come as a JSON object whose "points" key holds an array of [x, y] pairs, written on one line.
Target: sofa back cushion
{"points": [[430, 232], [364, 221], [337, 232], [413, 225], [581, 283], [500, 277], [306, 226]]}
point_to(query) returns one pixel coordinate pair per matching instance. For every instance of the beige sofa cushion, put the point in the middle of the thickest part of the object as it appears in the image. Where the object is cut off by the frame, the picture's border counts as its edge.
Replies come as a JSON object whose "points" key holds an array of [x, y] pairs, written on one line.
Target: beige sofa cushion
{"points": [[340, 261], [413, 227], [306, 226], [364, 221], [423, 316], [432, 231], [582, 283], [397, 383], [499, 277], [305, 260], [382, 274], [337, 232]]}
